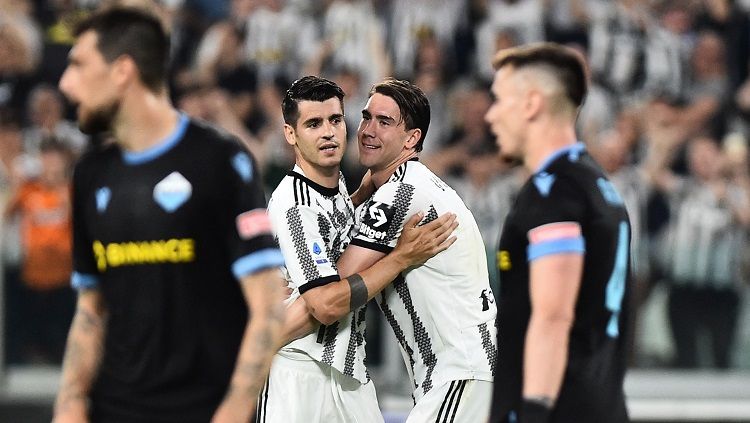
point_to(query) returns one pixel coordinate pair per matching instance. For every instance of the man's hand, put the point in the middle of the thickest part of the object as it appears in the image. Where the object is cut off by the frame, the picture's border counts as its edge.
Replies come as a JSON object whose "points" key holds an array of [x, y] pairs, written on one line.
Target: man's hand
{"points": [[417, 244]]}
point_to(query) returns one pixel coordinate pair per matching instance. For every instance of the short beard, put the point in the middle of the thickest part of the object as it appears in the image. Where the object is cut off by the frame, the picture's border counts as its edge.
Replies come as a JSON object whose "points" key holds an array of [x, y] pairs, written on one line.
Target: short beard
{"points": [[100, 120]]}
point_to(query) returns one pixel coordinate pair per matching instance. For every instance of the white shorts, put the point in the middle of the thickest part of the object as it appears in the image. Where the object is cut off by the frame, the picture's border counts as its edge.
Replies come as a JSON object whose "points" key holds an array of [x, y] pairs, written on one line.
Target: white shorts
{"points": [[310, 392], [458, 401]]}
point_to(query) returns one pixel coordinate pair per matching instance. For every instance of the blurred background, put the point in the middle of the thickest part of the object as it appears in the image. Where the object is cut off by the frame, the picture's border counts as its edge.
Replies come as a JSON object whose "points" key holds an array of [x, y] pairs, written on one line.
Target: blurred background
{"points": [[668, 115]]}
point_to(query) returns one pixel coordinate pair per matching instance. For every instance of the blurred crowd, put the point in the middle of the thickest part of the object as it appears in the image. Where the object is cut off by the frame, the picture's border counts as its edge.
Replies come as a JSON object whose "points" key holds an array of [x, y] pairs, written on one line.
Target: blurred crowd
{"points": [[668, 115]]}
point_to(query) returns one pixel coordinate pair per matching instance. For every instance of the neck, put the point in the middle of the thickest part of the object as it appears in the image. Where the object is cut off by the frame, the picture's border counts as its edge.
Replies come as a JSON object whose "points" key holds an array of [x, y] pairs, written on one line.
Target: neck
{"points": [[380, 176], [479, 179], [548, 136], [326, 176], [144, 120]]}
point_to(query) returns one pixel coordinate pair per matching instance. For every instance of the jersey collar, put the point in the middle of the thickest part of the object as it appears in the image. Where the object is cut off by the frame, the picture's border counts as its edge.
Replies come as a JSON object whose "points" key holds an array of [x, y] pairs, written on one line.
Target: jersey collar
{"points": [[136, 158], [573, 150], [326, 191]]}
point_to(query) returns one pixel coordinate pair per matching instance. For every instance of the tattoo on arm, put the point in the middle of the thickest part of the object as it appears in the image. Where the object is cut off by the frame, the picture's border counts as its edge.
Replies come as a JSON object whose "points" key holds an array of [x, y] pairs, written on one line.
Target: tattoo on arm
{"points": [[82, 356], [258, 348]]}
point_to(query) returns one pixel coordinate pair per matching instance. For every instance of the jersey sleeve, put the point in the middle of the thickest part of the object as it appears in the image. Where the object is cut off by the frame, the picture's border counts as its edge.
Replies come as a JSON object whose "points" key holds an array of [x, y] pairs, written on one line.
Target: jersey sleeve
{"points": [[554, 223], [305, 251], [85, 273], [381, 219], [250, 239]]}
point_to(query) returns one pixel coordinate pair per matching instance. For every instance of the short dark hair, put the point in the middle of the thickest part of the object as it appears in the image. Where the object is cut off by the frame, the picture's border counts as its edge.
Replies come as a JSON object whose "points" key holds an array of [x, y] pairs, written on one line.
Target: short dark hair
{"points": [[412, 104], [133, 32], [569, 67], [308, 88]]}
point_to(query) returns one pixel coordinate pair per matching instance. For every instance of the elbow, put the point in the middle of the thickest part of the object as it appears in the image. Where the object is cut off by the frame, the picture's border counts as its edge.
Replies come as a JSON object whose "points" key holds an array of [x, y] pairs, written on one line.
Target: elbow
{"points": [[325, 314], [563, 321]]}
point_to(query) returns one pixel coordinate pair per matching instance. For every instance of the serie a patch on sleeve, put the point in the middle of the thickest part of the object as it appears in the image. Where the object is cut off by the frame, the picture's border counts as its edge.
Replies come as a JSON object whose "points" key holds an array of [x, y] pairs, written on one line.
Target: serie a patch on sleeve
{"points": [[253, 223]]}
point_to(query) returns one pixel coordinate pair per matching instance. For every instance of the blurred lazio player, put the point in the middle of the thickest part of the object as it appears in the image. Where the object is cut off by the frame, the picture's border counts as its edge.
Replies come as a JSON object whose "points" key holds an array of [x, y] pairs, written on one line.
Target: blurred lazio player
{"points": [[564, 252]]}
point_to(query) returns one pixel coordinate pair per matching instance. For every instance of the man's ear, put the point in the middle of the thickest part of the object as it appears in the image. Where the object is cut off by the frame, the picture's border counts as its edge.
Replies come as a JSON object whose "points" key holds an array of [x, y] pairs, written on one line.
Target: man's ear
{"points": [[413, 139], [533, 104], [124, 70], [291, 139]]}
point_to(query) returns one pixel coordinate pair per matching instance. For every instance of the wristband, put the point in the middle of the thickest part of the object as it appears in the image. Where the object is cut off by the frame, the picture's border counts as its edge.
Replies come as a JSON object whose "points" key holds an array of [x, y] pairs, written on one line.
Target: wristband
{"points": [[358, 292], [534, 411]]}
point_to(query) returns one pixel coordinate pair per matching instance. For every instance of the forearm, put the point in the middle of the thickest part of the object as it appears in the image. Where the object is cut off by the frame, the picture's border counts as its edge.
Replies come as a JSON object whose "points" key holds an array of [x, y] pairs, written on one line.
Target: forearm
{"points": [[298, 323], [382, 273], [545, 357], [259, 344], [336, 299], [83, 355]]}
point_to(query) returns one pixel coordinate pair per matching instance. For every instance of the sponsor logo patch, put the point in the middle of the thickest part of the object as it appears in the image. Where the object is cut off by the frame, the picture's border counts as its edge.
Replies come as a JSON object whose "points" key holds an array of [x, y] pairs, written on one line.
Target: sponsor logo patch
{"points": [[503, 260], [116, 254], [253, 223], [376, 221]]}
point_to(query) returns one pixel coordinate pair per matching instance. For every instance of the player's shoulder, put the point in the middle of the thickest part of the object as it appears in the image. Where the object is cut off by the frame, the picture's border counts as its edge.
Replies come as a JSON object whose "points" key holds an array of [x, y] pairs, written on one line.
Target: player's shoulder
{"points": [[405, 174], [297, 190], [213, 138], [282, 196], [570, 173], [95, 158]]}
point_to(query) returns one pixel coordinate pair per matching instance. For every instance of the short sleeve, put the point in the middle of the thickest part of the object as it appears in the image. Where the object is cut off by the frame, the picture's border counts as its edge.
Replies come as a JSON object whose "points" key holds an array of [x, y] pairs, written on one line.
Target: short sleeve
{"points": [[85, 273], [554, 217], [303, 247], [250, 239]]}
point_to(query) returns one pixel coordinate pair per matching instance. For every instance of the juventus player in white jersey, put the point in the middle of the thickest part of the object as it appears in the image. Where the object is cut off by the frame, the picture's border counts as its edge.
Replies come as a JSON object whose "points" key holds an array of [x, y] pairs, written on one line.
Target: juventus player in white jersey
{"points": [[442, 312], [322, 376]]}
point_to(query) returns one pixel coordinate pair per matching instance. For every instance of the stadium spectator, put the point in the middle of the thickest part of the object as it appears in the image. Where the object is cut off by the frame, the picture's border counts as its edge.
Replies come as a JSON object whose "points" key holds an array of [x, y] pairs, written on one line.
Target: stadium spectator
{"points": [[47, 122], [703, 252], [43, 206]]}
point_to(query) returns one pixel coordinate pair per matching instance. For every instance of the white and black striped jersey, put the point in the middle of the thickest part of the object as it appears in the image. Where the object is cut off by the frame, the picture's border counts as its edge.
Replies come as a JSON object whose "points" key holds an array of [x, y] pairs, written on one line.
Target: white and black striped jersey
{"points": [[443, 312], [313, 226]]}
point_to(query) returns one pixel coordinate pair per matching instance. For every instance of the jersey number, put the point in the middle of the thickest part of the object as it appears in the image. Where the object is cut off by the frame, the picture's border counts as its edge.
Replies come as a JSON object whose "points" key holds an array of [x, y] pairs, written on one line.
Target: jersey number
{"points": [[616, 284]]}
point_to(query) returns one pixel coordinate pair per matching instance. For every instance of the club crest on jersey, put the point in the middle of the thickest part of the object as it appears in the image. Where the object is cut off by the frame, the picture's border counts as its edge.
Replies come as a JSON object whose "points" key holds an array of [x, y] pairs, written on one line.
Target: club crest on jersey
{"points": [[376, 221], [103, 195], [172, 192], [317, 251], [253, 223]]}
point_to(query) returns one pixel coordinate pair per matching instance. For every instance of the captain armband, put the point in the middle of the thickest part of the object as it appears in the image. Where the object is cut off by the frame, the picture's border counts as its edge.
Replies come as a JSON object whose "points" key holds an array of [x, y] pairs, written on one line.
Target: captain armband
{"points": [[358, 289]]}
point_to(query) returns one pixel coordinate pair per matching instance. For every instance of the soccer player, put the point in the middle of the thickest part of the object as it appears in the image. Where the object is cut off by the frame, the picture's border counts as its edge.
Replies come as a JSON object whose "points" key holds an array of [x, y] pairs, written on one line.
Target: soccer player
{"points": [[323, 373], [172, 246], [564, 252], [442, 312]]}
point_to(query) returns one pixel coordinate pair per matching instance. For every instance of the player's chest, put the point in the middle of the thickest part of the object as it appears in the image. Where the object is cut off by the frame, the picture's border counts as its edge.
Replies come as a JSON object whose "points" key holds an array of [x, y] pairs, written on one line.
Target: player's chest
{"points": [[166, 201], [335, 214]]}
